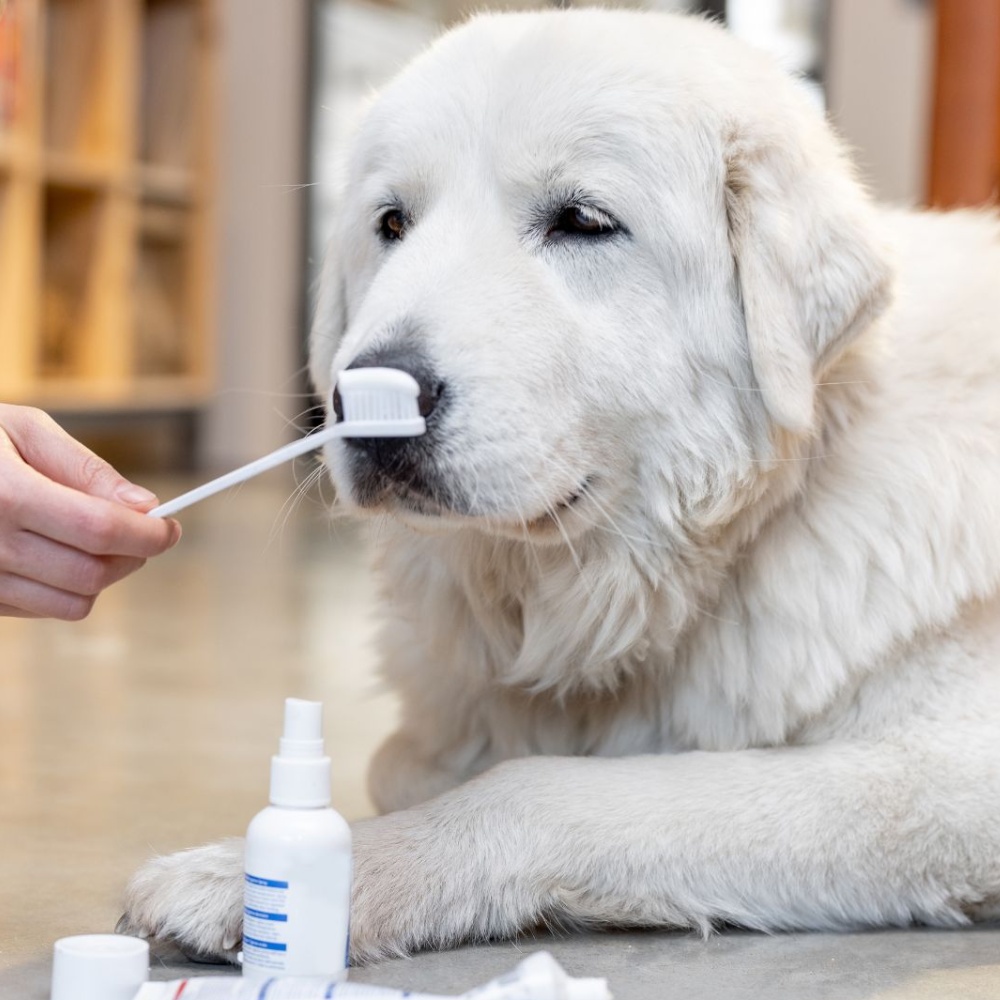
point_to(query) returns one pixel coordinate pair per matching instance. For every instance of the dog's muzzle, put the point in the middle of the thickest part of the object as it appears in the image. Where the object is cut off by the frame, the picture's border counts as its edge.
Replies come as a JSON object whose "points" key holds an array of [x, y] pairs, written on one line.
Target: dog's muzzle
{"points": [[401, 467]]}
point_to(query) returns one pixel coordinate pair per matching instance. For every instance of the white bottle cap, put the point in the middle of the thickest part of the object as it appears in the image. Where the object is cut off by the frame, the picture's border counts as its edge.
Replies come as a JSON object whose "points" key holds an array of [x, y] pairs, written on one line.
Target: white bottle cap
{"points": [[99, 967], [300, 772]]}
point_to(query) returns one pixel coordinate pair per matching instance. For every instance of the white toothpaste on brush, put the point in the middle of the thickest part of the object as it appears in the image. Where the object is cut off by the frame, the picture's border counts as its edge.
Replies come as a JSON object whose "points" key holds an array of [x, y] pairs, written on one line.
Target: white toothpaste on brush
{"points": [[539, 977]]}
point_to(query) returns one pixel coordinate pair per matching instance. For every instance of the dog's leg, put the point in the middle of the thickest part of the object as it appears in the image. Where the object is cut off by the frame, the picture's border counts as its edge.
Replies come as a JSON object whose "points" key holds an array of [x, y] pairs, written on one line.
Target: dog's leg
{"points": [[811, 837]]}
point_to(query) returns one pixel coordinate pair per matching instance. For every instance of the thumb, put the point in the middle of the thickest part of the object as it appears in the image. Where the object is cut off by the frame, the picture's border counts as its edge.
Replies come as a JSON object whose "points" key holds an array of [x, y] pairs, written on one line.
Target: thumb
{"points": [[48, 449]]}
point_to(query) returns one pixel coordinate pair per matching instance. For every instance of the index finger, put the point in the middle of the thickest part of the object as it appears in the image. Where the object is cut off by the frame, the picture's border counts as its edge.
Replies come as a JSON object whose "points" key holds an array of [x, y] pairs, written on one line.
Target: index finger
{"points": [[93, 524], [50, 450]]}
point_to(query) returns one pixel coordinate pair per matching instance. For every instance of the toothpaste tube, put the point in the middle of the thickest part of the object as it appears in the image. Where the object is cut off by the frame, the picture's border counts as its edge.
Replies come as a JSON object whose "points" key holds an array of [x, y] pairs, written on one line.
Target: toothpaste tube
{"points": [[539, 977]]}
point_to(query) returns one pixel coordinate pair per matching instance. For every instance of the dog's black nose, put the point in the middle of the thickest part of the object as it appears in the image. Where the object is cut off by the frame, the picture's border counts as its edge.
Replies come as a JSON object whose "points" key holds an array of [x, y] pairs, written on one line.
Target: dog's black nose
{"points": [[401, 466], [407, 359]]}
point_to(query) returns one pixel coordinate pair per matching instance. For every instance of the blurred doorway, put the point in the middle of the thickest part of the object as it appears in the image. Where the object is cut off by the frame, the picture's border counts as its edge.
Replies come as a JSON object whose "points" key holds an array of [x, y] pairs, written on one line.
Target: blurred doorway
{"points": [[965, 133]]}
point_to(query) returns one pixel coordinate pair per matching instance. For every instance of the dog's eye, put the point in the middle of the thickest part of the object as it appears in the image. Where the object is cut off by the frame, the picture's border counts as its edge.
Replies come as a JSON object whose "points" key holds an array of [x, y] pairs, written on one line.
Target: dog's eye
{"points": [[392, 225], [577, 220]]}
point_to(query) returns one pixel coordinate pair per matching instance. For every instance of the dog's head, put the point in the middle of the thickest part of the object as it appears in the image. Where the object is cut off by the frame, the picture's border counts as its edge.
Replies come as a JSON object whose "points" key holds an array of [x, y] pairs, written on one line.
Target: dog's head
{"points": [[614, 249]]}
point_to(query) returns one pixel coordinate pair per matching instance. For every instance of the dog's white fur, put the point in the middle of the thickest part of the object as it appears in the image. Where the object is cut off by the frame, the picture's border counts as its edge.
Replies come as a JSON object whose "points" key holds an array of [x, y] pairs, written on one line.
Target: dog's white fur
{"points": [[751, 676]]}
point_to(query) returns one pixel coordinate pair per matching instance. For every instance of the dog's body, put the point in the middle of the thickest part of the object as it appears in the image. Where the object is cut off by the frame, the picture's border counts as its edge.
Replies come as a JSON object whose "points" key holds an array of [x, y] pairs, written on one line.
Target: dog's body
{"points": [[692, 585]]}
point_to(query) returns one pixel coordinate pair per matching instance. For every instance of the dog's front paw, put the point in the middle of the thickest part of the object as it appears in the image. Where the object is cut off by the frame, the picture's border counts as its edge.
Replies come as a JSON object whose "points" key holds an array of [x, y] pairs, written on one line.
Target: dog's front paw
{"points": [[193, 899]]}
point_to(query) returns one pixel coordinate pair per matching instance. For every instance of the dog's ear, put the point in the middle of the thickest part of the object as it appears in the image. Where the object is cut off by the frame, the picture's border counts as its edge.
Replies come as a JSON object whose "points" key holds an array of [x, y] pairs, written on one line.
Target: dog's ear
{"points": [[329, 319], [811, 271]]}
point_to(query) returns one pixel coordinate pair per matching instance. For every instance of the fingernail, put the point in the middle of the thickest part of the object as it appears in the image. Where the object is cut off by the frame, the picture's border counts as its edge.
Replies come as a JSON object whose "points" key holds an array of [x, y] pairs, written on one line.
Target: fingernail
{"points": [[133, 494]]}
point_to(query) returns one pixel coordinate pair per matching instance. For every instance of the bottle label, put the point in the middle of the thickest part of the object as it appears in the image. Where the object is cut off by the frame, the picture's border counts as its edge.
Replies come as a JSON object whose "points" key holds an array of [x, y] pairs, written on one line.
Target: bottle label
{"points": [[296, 916], [265, 916]]}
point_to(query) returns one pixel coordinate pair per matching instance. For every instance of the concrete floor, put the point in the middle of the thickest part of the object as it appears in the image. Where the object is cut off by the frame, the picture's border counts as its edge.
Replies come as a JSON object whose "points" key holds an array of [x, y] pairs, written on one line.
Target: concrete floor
{"points": [[148, 728]]}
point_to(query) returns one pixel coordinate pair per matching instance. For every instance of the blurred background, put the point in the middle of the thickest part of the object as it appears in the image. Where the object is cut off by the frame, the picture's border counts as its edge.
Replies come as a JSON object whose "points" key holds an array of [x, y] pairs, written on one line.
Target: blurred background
{"points": [[168, 169]]}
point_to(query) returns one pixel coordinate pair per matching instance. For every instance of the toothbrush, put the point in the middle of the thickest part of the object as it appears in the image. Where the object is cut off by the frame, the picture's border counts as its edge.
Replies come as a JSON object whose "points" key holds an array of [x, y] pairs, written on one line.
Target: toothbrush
{"points": [[377, 402]]}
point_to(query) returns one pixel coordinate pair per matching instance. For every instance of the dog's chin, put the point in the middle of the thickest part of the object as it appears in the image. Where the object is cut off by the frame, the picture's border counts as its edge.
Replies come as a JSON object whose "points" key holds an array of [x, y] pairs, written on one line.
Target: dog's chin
{"points": [[403, 502], [549, 529], [562, 519], [415, 505]]}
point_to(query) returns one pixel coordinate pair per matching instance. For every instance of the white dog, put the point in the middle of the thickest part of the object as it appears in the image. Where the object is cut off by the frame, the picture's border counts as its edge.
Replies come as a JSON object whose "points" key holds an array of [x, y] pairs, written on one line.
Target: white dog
{"points": [[693, 581]]}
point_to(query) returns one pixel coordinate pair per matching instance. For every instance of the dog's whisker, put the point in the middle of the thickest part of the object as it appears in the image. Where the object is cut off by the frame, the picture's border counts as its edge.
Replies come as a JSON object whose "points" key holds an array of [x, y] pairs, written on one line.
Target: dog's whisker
{"points": [[267, 393], [292, 503], [522, 520], [554, 515], [725, 384]]}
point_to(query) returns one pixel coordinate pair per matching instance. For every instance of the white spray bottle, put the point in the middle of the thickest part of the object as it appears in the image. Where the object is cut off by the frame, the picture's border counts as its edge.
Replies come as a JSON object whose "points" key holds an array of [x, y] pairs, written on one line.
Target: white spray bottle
{"points": [[297, 889]]}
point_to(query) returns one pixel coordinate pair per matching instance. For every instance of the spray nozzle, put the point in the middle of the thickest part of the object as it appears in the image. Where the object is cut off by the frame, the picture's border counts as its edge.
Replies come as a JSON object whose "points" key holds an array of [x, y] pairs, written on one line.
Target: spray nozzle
{"points": [[303, 735], [300, 773]]}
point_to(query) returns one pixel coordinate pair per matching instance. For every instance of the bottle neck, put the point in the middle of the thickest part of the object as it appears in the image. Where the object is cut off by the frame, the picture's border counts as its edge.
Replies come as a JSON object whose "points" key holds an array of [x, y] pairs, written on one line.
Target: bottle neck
{"points": [[300, 782]]}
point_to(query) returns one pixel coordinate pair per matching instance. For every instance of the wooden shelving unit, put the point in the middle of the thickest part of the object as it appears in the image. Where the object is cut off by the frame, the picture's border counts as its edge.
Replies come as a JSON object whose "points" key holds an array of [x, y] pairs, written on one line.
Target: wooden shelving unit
{"points": [[105, 207]]}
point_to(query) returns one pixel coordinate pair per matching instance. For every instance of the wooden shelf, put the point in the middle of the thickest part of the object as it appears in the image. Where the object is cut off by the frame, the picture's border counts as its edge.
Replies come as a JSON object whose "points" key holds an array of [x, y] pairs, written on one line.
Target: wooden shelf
{"points": [[169, 185], [164, 259], [72, 228], [174, 185], [170, 39], [164, 223], [69, 170], [105, 166], [80, 72], [18, 70], [13, 156], [150, 394]]}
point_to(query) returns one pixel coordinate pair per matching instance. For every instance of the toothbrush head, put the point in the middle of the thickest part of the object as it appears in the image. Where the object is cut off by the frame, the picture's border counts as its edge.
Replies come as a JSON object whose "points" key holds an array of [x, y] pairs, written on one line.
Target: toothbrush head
{"points": [[379, 402], [374, 402]]}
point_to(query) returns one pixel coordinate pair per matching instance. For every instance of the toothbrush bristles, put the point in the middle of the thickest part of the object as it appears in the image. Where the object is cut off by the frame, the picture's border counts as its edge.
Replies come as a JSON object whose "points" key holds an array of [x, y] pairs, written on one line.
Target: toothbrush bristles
{"points": [[363, 405], [377, 394]]}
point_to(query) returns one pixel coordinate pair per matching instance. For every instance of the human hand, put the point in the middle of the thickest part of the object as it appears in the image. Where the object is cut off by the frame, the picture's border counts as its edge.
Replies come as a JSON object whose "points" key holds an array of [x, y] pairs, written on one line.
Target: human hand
{"points": [[70, 525]]}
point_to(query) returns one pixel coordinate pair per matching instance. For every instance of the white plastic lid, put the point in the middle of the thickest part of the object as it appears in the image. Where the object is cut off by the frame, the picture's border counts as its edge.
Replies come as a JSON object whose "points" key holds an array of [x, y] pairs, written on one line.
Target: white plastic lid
{"points": [[99, 967], [300, 771]]}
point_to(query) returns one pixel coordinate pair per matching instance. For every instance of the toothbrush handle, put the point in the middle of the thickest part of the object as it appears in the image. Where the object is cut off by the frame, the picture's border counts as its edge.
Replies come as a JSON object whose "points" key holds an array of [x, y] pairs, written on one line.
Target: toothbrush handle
{"points": [[301, 447]]}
